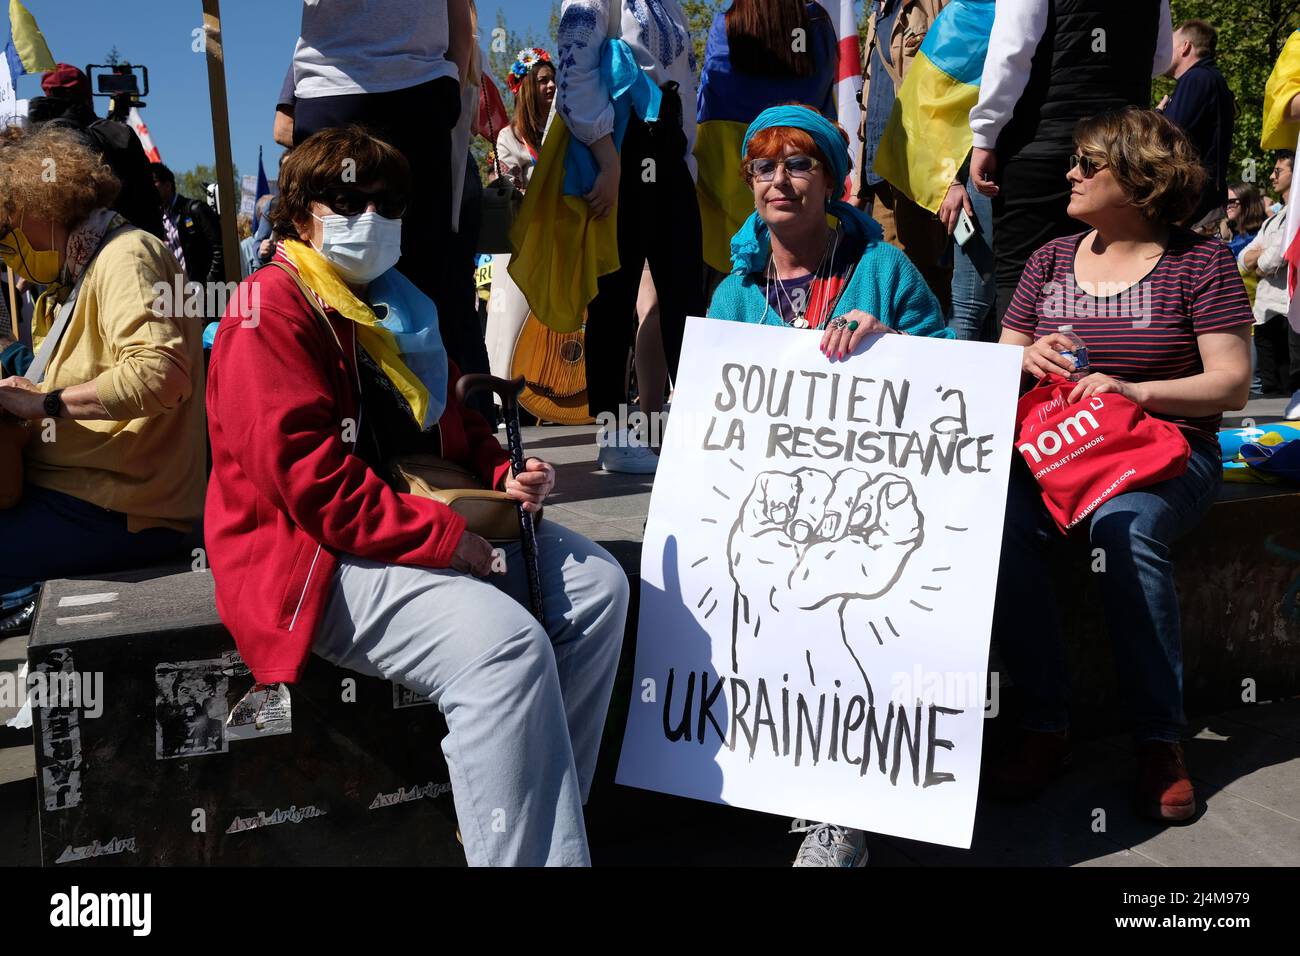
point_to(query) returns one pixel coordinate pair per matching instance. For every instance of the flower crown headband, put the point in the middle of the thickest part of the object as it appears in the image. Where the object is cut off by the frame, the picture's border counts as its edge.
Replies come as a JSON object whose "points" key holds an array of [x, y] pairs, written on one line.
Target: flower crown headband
{"points": [[524, 62]]}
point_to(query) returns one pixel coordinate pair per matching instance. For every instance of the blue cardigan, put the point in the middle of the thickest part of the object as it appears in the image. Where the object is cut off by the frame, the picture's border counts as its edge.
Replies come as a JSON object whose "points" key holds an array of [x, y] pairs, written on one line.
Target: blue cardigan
{"points": [[884, 284]]}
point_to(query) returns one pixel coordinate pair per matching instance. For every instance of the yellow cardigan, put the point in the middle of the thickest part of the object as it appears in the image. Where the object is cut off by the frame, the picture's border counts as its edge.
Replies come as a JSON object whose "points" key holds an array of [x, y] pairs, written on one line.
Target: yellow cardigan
{"points": [[149, 461]]}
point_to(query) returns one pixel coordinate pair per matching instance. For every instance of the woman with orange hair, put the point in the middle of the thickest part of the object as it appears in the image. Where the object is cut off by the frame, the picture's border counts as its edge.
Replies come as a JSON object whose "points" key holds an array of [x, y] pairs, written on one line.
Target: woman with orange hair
{"points": [[791, 268]]}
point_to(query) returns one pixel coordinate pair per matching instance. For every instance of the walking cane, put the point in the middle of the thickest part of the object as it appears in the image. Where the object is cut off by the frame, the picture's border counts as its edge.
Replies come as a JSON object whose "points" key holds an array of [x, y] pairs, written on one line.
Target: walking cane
{"points": [[508, 391]]}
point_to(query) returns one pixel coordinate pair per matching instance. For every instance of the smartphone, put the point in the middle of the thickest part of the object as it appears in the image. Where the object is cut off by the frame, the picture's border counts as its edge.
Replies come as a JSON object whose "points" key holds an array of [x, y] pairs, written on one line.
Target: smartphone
{"points": [[964, 228]]}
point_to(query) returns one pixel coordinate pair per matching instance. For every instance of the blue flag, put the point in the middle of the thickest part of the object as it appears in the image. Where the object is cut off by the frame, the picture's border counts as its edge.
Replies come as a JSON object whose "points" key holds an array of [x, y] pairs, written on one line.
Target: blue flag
{"points": [[263, 188]]}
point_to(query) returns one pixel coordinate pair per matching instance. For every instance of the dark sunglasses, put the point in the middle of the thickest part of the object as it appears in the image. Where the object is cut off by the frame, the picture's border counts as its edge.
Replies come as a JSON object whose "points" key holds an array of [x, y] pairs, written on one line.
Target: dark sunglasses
{"points": [[347, 201], [1087, 166]]}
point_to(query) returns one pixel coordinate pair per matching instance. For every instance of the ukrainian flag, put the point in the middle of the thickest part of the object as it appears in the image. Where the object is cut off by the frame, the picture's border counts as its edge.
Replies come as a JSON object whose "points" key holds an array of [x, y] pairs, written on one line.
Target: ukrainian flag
{"points": [[26, 51], [725, 200], [1283, 83], [728, 102], [928, 134]]}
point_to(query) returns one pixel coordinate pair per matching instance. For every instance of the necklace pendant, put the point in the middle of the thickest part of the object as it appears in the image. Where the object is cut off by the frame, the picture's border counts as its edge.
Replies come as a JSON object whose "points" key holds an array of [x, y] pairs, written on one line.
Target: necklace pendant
{"points": [[800, 322]]}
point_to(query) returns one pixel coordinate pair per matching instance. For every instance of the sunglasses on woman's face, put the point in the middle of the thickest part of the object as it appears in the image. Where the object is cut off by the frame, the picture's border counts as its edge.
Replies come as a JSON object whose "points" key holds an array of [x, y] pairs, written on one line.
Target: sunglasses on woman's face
{"points": [[1233, 202], [1088, 166], [347, 201], [796, 167]]}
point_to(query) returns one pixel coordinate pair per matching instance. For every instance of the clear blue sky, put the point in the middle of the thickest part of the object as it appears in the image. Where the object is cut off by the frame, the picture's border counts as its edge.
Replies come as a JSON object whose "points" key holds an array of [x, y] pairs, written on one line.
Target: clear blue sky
{"points": [[259, 37]]}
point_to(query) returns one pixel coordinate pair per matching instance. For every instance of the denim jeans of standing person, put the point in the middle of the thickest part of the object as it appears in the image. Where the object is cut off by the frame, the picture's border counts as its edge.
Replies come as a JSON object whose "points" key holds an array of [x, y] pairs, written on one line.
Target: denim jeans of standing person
{"points": [[525, 704], [974, 291], [1135, 531]]}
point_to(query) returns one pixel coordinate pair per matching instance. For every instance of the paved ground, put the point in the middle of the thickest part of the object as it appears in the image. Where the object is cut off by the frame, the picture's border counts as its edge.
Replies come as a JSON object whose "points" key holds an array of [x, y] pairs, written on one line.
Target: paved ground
{"points": [[1246, 762]]}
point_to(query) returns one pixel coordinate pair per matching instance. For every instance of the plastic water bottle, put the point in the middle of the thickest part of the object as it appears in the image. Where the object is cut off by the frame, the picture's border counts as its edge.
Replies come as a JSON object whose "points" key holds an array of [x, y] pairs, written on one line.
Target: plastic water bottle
{"points": [[1077, 354]]}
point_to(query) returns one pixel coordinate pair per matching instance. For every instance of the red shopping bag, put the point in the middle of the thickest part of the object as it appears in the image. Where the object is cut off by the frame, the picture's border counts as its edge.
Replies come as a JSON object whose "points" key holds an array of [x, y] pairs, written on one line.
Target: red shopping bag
{"points": [[1085, 453]]}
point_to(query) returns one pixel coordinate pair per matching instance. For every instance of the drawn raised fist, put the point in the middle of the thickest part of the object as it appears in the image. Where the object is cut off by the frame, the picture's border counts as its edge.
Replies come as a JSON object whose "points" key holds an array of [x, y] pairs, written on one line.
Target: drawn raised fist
{"points": [[804, 538]]}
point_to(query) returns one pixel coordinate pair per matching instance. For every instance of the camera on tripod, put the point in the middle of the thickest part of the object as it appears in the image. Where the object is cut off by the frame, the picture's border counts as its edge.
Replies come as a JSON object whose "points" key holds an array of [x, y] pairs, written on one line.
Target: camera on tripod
{"points": [[123, 83]]}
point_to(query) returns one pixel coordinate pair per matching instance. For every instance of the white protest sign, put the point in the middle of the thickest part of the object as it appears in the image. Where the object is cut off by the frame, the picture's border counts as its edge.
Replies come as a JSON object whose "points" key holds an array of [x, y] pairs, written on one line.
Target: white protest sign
{"points": [[8, 96], [247, 195], [818, 577]]}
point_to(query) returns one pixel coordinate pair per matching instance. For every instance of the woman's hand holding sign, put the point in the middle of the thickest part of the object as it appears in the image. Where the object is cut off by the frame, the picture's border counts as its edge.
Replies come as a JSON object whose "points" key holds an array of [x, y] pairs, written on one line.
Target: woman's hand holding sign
{"points": [[845, 333]]}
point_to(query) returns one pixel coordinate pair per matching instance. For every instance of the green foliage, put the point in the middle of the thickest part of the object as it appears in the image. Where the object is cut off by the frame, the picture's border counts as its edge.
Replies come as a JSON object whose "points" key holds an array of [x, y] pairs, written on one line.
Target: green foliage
{"points": [[699, 17], [194, 182], [1251, 35]]}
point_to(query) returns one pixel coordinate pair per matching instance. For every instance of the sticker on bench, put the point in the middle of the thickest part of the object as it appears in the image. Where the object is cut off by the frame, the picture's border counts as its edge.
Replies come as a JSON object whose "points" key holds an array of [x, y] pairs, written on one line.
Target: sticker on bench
{"points": [[60, 739], [430, 790], [190, 708], [115, 845], [405, 697], [85, 618], [81, 600], [263, 712]]}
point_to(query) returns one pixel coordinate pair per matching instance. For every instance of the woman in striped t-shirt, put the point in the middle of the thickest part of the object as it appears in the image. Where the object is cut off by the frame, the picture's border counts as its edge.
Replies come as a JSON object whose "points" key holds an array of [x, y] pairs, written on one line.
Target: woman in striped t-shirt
{"points": [[1167, 324]]}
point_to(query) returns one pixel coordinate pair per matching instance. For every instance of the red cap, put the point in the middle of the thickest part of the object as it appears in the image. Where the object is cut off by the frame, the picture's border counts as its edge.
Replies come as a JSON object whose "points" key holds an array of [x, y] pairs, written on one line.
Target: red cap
{"points": [[68, 82]]}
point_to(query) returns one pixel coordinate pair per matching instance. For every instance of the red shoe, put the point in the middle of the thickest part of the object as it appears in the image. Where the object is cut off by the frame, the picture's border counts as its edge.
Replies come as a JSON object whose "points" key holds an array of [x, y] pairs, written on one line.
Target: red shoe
{"points": [[1030, 764], [1164, 789]]}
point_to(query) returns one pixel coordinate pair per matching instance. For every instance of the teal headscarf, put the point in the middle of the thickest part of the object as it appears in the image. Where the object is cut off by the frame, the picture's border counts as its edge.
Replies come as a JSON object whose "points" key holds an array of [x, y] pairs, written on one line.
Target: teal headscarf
{"points": [[751, 244]]}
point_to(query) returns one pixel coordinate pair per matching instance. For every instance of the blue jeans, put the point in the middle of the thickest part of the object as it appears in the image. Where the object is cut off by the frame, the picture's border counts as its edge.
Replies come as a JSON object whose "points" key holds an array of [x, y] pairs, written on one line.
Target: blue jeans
{"points": [[974, 291], [1135, 531], [51, 535], [525, 704]]}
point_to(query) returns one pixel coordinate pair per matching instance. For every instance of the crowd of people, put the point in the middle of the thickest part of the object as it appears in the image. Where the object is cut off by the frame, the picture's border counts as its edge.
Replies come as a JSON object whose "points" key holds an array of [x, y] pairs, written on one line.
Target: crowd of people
{"points": [[762, 208]]}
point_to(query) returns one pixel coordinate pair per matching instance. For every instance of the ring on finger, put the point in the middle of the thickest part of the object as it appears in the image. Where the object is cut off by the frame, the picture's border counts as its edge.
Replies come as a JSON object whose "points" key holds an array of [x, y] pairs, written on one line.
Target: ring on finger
{"points": [[839, 322]]}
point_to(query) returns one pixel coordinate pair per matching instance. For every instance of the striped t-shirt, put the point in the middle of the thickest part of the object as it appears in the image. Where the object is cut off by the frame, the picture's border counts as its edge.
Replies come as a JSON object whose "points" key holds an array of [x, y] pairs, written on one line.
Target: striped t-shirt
{"points": [[1147, 332]]}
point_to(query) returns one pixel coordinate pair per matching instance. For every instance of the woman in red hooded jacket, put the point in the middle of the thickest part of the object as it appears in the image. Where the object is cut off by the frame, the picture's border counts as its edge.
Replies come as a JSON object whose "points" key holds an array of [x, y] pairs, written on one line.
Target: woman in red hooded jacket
{"points": [[326, 364]]}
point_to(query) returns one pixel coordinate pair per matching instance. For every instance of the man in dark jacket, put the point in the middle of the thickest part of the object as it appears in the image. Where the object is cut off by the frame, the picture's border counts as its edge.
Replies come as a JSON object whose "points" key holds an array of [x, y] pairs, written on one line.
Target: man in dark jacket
{"points": [[1203, 106], [191, 230], [67, 102]]}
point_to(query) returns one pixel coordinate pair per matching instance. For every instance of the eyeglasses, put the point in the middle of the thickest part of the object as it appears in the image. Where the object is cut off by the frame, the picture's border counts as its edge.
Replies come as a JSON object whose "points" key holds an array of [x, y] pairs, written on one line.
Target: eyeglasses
{"points": [[348, 201], [1233, 202], [796, 167], [1088, 166]]}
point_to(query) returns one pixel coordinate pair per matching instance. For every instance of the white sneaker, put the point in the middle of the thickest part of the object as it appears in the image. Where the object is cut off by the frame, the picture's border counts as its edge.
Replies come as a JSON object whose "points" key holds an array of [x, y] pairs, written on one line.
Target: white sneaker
{"points": [[829, 845], [624, 457], [1292, 413]]}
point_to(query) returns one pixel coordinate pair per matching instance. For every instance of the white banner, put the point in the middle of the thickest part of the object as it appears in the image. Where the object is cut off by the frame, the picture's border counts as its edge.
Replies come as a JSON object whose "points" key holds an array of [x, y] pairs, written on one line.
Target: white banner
{"points": [[248, 195], [818, 578], [8, 95]]}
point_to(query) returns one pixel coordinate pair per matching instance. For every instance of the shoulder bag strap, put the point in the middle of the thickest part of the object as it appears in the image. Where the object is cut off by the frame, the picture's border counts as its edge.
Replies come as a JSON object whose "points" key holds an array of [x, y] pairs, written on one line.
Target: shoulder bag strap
{"points": [[36, 371]]}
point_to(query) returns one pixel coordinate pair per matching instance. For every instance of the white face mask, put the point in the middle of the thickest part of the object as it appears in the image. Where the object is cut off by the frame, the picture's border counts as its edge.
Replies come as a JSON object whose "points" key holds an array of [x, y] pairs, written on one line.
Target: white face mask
{"points": [[362, 247]]}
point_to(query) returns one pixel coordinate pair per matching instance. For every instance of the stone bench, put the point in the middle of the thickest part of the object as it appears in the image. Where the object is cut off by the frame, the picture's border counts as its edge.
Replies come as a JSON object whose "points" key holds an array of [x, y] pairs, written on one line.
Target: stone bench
{"points": [[1238, 578], [154, 777]]}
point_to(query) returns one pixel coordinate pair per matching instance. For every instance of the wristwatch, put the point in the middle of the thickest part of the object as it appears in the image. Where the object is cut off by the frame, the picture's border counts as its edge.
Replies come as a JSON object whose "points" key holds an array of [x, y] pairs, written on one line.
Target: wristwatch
{"points": [[54, 403]]}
